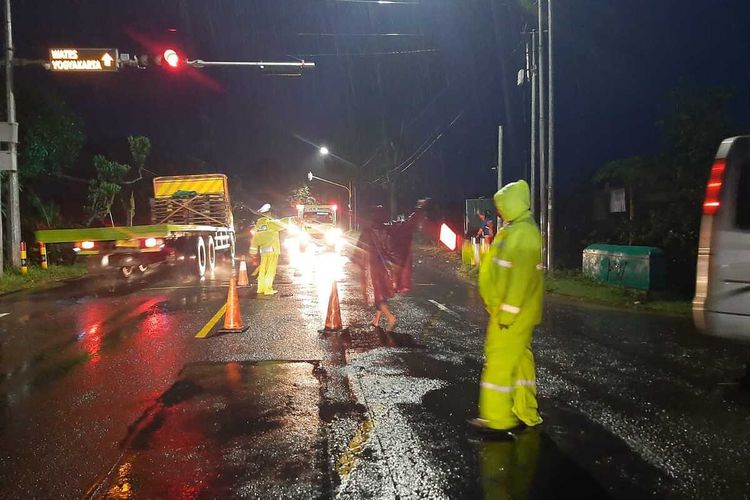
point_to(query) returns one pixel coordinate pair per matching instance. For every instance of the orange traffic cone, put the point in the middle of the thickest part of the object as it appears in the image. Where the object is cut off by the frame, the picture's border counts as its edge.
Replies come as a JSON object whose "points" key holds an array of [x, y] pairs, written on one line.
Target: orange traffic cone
{"points": [[333, 318], [232, 317], [243, 280]]}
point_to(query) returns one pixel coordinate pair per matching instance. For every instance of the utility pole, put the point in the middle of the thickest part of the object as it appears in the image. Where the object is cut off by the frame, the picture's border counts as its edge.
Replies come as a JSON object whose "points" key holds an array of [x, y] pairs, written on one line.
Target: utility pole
{"points": [[13, 213], [499, 165], [533, 70], [499, 157], [542, 128], [551, 142]]}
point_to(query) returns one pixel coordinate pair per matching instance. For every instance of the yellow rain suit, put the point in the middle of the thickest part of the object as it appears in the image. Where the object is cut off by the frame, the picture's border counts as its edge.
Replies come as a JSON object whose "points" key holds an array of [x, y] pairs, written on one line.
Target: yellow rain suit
{"points": [[511, 285], [266, 242]]}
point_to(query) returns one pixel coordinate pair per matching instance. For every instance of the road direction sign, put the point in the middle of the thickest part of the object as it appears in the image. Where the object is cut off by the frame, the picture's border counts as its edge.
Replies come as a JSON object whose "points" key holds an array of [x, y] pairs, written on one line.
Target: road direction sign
{"points": [[91, 60]]}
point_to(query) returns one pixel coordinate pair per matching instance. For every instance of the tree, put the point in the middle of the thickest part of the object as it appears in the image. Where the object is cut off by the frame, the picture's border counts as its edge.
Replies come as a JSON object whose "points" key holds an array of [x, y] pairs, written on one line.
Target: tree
{"points": [[49, 211], [110, 176], [668, 190], [632, 174], [51, 136], [301, 196], [140, 149]]}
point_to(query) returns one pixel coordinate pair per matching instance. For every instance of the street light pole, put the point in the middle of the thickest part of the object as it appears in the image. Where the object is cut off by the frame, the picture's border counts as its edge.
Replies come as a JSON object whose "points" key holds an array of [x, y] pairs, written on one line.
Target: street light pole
{"points": [[14, 211], [311, 176]]}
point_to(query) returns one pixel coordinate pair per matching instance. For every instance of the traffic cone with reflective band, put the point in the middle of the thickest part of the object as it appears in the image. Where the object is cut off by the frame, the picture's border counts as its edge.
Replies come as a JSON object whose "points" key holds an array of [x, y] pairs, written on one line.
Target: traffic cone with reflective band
{"points": [[43, 253], [24, 260], [243, 279], [232, 317], [333, 317]]}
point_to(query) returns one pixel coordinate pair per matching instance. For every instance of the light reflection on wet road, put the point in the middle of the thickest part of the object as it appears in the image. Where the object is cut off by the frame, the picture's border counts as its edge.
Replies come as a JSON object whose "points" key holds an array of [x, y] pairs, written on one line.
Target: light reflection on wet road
{"points": [[106, 390]]}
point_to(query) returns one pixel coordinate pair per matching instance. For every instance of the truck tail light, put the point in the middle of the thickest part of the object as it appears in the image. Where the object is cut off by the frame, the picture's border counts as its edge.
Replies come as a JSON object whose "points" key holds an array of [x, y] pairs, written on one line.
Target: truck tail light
{"points": [[713, 190], [152, 243]]}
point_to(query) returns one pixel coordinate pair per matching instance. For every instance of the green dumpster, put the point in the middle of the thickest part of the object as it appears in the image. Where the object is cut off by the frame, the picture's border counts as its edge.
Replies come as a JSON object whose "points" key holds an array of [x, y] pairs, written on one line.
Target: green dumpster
{"points": [[629, 266]]}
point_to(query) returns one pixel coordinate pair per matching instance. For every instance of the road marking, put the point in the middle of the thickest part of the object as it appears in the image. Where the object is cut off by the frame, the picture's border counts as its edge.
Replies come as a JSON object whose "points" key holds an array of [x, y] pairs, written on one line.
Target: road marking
{"points": [[2, 315], [444, 308], [348, 460], [211, 323]]}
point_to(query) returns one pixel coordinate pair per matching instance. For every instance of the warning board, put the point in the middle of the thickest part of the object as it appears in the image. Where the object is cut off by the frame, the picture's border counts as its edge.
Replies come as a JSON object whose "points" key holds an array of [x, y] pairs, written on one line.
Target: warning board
{"points": [[93, 60]]}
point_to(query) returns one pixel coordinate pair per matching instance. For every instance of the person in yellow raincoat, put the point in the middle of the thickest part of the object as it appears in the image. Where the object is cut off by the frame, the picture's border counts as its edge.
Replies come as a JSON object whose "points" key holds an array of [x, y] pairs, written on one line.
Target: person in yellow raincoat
{"points": [[511, 285], [266, 242]]}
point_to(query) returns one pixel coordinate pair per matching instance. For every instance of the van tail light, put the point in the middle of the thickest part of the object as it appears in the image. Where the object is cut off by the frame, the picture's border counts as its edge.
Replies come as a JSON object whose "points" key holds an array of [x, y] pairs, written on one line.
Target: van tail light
{"points": [[713, 190]]}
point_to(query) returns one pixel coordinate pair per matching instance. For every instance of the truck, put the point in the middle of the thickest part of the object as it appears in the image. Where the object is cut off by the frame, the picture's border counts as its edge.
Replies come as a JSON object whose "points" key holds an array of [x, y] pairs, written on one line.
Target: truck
{"points": [[191, 225], [317, 228]]}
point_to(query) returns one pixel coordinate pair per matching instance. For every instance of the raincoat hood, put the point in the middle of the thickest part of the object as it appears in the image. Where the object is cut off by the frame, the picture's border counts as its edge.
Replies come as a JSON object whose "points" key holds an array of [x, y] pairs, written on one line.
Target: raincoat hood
{"points": [[513, 200]]}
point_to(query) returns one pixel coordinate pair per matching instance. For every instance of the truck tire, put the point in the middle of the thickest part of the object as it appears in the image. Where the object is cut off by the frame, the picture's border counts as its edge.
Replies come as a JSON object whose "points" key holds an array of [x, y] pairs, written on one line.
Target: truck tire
{"points": [[200, 256], [211, 254]]}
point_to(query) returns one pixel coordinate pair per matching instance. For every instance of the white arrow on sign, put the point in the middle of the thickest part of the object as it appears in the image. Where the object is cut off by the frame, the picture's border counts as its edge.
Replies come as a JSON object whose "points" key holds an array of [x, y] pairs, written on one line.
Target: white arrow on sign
{"points": [[107, 59]]}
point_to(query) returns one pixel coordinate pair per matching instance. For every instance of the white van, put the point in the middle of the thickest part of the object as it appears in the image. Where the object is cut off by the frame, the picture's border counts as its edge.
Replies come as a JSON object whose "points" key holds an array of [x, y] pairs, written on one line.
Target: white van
{"points": [[722, 290]]}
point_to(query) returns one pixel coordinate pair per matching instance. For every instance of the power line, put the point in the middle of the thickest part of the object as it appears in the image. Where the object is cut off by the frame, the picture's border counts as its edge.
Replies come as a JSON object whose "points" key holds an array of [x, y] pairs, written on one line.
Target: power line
{"points": [[458, 116]]}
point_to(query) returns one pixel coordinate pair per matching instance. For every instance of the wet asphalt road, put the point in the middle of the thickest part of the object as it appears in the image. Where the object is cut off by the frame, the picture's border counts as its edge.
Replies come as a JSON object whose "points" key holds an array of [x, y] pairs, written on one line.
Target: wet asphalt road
{"points": [[106, 392]]}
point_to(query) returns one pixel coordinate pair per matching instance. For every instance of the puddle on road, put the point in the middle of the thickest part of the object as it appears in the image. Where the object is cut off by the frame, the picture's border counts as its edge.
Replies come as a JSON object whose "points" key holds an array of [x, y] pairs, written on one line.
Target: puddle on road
{"points": [[227, 430]]}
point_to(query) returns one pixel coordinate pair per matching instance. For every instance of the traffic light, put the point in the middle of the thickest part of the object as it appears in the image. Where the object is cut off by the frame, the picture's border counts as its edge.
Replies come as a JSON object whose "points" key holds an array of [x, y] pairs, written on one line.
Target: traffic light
{"points": [[170, 58]]}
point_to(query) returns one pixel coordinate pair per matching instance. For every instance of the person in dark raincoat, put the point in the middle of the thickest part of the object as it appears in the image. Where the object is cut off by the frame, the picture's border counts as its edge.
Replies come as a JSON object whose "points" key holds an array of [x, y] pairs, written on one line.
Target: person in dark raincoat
{"points": [[384, 253]]}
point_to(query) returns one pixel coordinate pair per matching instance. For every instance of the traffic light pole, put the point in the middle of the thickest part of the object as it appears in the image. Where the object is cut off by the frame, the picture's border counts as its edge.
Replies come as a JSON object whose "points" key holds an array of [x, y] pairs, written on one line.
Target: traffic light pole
{"points": [[199, 63]]}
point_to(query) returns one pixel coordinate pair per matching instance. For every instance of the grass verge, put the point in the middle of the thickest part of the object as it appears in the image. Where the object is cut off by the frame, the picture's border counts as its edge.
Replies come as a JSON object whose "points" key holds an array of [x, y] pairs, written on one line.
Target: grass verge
{"points": [[38, 278], [575, 285]]}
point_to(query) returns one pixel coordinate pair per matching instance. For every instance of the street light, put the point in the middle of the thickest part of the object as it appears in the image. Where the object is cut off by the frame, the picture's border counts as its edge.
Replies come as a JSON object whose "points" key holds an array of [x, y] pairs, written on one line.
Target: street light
{"points": [[311, 176], [324, 151]]}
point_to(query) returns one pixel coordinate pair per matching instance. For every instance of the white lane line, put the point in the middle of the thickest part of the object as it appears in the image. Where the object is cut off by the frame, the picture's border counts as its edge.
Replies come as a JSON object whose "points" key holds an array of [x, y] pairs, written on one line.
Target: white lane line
{"points": [[444, 308], [2, 315]]}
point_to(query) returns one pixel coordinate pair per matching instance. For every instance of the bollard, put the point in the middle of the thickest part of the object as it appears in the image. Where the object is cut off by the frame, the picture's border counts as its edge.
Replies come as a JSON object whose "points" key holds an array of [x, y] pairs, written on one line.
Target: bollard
{"points": [[43, 253], [24, 260]]}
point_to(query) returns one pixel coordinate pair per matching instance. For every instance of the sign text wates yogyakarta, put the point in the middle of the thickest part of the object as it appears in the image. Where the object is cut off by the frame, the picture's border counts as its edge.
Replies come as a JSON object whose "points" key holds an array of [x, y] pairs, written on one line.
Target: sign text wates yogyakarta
{"points": [[94, 60]]}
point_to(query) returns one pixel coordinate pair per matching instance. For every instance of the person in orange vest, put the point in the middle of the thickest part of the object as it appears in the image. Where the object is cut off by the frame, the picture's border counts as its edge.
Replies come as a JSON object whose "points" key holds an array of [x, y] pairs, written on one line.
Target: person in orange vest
{"points": [[487, 227]]}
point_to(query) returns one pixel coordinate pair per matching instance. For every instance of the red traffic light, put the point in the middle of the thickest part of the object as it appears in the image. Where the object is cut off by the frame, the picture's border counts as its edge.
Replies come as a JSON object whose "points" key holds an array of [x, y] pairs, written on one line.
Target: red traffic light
{"points": [[171, 57]]}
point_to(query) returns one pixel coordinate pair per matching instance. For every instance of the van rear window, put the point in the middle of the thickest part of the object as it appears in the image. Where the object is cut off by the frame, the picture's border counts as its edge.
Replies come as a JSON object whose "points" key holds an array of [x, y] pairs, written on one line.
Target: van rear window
{"points": [[742, 220]]}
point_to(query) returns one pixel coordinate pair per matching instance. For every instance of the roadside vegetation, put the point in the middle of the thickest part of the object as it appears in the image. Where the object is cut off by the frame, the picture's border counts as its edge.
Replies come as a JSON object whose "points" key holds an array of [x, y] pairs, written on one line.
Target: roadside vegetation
{"points": [[38, 278], [575, 285]]}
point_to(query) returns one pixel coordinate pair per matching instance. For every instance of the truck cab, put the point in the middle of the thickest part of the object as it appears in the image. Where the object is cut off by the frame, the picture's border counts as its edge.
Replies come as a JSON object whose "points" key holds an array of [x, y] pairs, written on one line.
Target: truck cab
{"points": [[318, 226]]}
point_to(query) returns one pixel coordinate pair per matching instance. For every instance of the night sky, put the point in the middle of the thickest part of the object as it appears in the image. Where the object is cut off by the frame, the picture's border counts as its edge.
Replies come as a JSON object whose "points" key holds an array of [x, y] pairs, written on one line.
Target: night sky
{"points": [[615, 62]]}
